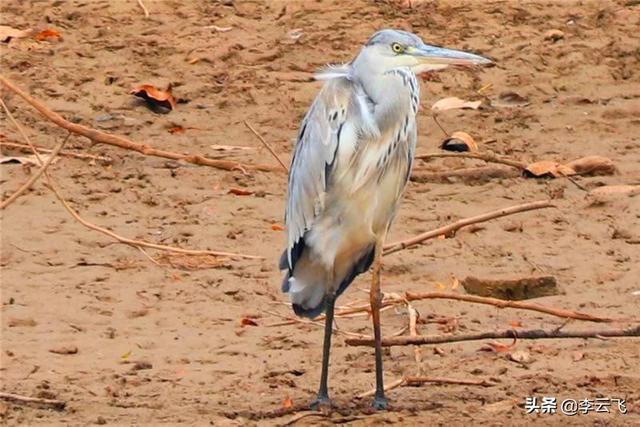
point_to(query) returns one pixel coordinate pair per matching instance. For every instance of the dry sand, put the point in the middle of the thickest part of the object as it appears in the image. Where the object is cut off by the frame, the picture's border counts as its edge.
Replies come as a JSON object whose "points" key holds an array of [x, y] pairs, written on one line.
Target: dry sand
{"points": [[66, 286]]}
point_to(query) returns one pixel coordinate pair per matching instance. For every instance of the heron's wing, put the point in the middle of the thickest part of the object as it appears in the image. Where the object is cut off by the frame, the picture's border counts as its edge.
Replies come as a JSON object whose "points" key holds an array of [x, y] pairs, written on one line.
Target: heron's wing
{"points": [[314, 159]]}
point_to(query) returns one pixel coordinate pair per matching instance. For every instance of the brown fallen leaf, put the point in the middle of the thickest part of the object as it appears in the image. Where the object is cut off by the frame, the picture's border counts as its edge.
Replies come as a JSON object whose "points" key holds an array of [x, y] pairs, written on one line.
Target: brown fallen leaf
{"points": [[48, 33], [547, 169], [515, 324], [246, 321], [593, 165], [161, 101], [459, 142], [453, 103], [9, 33], [277, 227], [71, 349], [240, 192]]}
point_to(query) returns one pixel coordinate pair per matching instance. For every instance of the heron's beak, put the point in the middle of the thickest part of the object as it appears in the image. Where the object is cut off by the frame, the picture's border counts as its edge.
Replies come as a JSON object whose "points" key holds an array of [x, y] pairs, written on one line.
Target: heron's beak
{"points": [[435, 58]]}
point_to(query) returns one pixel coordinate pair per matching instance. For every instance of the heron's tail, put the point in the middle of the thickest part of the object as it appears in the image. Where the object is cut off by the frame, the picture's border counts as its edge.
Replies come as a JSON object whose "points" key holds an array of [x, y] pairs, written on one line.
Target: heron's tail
{"points": [[306, 292]]}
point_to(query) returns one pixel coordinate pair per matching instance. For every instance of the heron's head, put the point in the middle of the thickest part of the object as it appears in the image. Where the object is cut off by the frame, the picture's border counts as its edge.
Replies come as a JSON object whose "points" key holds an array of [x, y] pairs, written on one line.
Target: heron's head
{"points": [[389, 49]]}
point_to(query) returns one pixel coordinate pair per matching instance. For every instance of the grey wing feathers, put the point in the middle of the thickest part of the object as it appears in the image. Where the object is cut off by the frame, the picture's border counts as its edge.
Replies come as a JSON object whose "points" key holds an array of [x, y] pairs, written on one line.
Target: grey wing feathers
{"points": [[313, 161]]}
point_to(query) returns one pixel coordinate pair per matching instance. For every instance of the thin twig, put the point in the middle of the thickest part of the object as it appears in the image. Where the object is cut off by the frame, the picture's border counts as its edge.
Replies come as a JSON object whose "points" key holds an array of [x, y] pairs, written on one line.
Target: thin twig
{"points": [[62, 153], [144, 9], [417, 380], [449, 230], [520, 334], [132, 242], [413, 331], [486, 157], [36, 175], [568, 314], [58, 405], [122, 142], [268, 147], [435, 119], [141, 243]]}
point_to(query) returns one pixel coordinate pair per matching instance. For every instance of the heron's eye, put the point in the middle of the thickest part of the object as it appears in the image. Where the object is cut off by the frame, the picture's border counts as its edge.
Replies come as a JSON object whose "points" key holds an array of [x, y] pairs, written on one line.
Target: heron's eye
{"points": [[397, 48]]}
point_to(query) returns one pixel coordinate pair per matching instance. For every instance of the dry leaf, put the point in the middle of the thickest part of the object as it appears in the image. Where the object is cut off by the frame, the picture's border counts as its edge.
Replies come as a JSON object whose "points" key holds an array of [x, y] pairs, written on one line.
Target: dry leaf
{"points": [[8, 33], [245, 321], [453, 103], [126, 355], [515, 324], [554, 35], [459, 142], [161, 101], [500, 406], [547, 169], [288, 402], [72, 349], [240, 192], [593, 165], [48, 33], [277, 227]]}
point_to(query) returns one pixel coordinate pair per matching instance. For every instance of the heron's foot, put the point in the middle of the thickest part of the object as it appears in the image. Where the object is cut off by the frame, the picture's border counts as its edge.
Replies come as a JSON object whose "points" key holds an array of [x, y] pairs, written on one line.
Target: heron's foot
{"points": [[321, 402], [380, 403]]}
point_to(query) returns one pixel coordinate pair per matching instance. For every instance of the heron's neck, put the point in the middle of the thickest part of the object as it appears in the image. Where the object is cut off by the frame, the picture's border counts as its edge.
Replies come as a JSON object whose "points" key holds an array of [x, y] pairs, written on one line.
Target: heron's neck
{"points": [[395, 95]]}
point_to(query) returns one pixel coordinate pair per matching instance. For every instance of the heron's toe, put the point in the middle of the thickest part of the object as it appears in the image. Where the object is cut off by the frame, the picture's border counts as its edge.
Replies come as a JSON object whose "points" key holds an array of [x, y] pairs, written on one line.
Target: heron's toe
{"points": [[320, 403], [380, 403]]}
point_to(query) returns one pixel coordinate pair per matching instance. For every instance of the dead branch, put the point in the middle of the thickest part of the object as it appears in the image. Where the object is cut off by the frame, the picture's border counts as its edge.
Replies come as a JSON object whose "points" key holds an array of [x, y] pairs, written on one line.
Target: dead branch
{"points": [[532, 334], [486, 157], [417, 380], [267, 146], [62, 153], [450, 230], [135, 243], [509, 304], [413, 331], [36, 175], [58, 405], [122, 142]]}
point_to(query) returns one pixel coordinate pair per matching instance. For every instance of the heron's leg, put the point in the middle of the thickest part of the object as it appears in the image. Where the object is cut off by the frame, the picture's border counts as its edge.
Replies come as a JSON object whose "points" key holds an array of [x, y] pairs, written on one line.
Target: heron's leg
{"points": [[323, 392], [380, 401]]}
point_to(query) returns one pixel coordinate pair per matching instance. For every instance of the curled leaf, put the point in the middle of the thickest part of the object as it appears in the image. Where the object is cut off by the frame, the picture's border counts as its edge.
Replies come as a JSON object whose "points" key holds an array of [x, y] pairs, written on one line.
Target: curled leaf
{"points": [[459, 142], [160, 101], [47, 34], [277, 227], [499, 347], [452, 103], [593, 165], [547, 169]]}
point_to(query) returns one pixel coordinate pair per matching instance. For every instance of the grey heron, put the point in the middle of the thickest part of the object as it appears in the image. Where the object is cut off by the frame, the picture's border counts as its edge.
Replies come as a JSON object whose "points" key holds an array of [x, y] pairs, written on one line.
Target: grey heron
{"points": [[352, 160]]}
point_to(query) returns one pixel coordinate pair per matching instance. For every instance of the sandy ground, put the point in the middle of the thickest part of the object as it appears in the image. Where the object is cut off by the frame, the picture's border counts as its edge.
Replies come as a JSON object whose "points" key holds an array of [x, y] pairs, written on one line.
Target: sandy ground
{"points": [[164, 344]]}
